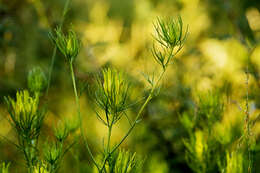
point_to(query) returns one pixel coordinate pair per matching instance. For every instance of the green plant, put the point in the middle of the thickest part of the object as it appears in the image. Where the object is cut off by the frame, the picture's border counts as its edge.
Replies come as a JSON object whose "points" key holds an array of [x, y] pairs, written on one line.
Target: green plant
{"points": [[170, 37], [4, 168], [40, 168], [124, 162], [112, 89], [37, 80], [214, 145], [27, 120], [68, 44], [203, 149], [26, 117]]}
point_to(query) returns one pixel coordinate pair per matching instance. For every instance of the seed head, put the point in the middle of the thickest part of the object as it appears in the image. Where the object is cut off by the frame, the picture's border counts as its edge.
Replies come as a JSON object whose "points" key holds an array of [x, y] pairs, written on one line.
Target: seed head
{"points": [[112, 93], [40, 168], [68, 44], [52, 153], [169, 33], [170, 39], [61, 132], [37, 80], [25, 115]]}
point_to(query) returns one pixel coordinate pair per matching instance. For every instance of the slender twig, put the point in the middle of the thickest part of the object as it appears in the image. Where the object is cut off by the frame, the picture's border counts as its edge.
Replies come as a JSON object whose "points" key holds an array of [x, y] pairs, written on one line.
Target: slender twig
{"points": [[140, 111], [79, 114], [109, 138], [65, 9]]}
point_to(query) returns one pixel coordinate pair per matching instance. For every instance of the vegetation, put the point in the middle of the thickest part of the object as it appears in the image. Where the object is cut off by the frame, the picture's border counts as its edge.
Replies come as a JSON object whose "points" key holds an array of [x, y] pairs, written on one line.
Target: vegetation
{"points": [[174, 107]]}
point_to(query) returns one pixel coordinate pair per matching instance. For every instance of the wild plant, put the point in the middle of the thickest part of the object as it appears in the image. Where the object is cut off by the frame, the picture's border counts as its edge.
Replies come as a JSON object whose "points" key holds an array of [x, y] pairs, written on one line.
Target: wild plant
{"points": [[213, 145], [123, 161], [26, 118], [54, 151], [241, 157], [40, 168], [202, 147], [112, 92]]}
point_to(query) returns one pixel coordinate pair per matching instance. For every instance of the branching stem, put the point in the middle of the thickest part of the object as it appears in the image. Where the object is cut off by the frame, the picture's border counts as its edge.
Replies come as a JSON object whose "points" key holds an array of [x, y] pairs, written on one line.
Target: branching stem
{"points": [[135, 121]]}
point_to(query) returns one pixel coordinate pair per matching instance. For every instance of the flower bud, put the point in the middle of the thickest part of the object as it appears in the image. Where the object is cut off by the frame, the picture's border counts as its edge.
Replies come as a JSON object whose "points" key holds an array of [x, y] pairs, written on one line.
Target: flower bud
{"points": [[112, 93], [40, 168], [69, 45], [61, 132], [170, 38], [169, 33], [37, 80], [53, 153], [25, 114]]}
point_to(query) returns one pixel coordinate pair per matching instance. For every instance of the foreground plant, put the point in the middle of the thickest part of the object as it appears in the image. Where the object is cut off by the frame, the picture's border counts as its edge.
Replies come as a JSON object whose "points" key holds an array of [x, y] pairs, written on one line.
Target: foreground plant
{"points": [[27, 120], [112, 87], [26, 117], [69, 45]]}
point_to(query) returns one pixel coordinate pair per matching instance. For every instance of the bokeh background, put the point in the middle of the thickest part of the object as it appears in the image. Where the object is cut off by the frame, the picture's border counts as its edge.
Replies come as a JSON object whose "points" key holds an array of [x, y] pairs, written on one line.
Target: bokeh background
{"points": [[118, 33]]}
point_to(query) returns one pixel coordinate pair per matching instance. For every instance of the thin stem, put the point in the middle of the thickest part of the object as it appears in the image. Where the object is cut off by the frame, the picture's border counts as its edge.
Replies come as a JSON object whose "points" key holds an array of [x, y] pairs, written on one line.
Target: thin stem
{"points": [[65, 9], [247, 100], [109, 138], [140, 111], [79, 115], [51, 69], [136, 119], [247, 116]]}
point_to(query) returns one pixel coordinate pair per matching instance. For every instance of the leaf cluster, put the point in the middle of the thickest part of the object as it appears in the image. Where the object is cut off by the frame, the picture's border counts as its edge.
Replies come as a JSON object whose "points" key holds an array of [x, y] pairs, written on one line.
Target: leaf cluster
{"points": [[170, 37], [37, 80], [68, 44], [124, 162], [4, 168], [26, 117], [112, 95]]}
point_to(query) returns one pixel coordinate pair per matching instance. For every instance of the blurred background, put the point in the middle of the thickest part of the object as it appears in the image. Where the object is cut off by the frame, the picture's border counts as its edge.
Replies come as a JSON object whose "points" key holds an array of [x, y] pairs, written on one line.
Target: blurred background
{"points": [[119, 33]]}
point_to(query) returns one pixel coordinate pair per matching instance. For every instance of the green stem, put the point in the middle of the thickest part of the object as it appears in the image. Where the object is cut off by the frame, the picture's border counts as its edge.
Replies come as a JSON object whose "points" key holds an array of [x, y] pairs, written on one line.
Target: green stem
{"points": [[140, 111], [109, 138], [65, 9], [136, 119], [79, 115]]}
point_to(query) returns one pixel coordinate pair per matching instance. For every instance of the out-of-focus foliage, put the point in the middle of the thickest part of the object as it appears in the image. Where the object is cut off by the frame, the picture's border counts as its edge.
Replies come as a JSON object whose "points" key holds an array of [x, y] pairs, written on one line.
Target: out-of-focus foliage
{"points": [[196, 123], [4, 168], [37, 80]]}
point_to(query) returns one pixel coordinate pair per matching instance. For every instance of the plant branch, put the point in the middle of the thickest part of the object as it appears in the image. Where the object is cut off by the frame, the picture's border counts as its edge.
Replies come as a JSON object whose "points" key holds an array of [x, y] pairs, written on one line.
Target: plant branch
{"points": [[136, 119]]}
